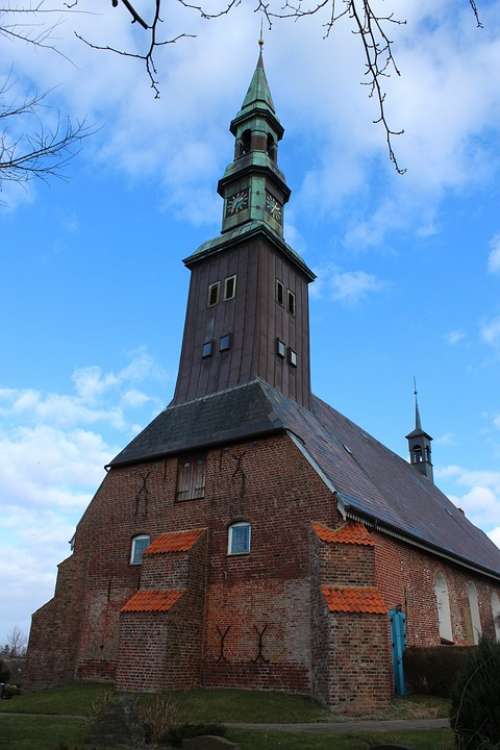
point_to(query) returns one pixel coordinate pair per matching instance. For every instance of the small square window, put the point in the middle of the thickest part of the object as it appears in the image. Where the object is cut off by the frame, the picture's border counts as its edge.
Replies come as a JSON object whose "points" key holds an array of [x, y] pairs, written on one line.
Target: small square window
{"points": [[292, 357], [230, 287], [280, 348], [225, 342], [291, 302], [280, 292], [208, 349], [139, 544], [239, 539], [213, 293]]}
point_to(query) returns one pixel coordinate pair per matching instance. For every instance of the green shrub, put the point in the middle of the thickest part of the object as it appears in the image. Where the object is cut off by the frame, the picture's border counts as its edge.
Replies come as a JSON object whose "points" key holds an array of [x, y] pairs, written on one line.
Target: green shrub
{"points": [[184, 731], [434, 670], [475, 700], [10, 691], [4, 672]]}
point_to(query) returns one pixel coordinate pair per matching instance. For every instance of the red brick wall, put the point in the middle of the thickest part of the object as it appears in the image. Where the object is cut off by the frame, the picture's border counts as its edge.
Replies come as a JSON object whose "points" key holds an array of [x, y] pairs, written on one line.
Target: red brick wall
{"points": [[406, 576], [266, 482], [358, 657]]}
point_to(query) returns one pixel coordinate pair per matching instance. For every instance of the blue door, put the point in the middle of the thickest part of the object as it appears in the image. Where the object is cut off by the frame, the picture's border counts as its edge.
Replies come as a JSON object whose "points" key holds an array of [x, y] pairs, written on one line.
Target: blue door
{"points": [[398, 636]]}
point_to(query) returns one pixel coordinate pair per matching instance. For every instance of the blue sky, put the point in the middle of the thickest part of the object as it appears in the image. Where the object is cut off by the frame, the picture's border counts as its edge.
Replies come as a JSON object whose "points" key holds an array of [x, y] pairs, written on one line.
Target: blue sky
{"points": [[93, 289]]}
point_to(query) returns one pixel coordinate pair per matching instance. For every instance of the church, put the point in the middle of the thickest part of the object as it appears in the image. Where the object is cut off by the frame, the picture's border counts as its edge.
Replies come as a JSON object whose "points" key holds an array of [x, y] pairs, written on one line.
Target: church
{"points": [[252, 536]]}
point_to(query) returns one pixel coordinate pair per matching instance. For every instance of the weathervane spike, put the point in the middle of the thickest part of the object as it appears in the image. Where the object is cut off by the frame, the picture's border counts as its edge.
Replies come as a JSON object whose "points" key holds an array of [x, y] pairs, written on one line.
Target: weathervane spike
{"points": [[418, 421], [261, 37]]}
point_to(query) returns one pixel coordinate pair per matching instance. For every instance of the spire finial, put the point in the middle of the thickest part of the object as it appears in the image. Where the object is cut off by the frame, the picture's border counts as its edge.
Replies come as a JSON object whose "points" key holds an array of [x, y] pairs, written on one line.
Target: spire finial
{"points": [[418, 422], [261, 36]]}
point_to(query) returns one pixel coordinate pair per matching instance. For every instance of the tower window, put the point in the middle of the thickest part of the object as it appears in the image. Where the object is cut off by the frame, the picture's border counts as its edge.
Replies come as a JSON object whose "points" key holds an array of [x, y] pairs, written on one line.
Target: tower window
{"points": [[139, 544], [280, 292], [207, 349], [191, 477], [213, 293], [292, 357], [239, 538], [225, 342], [291, 302], [280, 348], [271, 147], [246, 142], [417, 454], [230, 287]]}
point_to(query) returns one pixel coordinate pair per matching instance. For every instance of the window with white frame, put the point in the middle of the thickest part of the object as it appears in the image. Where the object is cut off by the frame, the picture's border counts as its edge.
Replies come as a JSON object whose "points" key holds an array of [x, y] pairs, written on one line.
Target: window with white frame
{"points": [[443, 608], [230, 287], [139, 544], [239, 538], [474, 612], [495, 610]]}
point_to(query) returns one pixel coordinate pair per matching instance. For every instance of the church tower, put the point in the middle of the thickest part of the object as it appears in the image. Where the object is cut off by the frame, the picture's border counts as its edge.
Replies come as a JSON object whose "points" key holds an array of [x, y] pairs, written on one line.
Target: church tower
{"points": [[419, 444], [248, 311]]}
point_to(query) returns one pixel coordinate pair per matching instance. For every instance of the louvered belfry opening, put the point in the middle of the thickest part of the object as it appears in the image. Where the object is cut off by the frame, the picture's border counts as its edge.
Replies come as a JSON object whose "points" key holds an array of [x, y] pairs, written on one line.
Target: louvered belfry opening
{"points": [[191, 477]]}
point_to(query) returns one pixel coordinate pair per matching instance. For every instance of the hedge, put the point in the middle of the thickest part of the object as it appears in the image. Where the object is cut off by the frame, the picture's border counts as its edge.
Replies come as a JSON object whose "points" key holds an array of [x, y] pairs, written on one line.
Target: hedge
{"points": [[433, 671]]}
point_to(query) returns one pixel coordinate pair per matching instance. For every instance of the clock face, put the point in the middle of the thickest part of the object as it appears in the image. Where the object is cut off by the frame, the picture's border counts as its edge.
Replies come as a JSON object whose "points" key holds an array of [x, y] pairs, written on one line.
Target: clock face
{"points": [[237, 202], [273, 206]]}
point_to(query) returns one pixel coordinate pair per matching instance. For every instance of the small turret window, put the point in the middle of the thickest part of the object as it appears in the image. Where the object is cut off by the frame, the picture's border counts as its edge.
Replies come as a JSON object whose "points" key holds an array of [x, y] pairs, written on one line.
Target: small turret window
{"points": [[417, 454], [225, 342], [291, 302], [271, 147], [246, 142], [207, 349], [139, 544], [292, 357], [280, 348]]}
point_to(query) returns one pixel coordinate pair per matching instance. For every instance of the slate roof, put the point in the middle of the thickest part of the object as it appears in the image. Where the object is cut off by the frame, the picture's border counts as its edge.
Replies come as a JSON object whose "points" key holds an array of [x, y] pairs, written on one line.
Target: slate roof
{"points": [[372, 482], [367, 599]]}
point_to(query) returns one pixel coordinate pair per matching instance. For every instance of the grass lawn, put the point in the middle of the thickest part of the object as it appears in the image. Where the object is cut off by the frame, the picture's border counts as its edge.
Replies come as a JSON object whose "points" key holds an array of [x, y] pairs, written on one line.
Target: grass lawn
{"points": [[75, 700], [219, 705], [429, 740], [46, 733]]}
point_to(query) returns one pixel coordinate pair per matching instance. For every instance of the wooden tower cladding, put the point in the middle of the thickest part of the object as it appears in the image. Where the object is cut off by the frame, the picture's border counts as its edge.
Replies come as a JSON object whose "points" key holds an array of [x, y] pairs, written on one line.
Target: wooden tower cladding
{"points": [[247, 313]]}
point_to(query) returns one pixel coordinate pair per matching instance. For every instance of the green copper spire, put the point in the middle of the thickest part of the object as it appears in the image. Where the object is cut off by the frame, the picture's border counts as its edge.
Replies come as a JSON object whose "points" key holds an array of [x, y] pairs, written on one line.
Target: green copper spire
{"points": [[258, 91]]}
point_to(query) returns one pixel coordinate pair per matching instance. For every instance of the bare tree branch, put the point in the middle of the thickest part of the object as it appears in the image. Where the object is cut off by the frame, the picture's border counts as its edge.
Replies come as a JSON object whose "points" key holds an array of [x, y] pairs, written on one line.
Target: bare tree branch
{"points": [[28, 148]]}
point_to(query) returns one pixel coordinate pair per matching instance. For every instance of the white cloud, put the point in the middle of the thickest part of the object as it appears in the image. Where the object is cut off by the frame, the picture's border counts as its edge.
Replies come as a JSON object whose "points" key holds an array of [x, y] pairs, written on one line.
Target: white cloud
{"points": [[133, 397], [447, 99], [481, 498], [448, 438], [490, 331], [51, 466], [345, 286], [494, 256], [455, 337], [494, 535]]}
